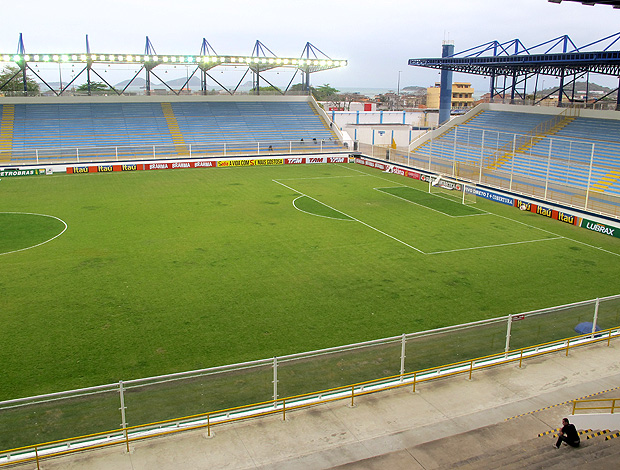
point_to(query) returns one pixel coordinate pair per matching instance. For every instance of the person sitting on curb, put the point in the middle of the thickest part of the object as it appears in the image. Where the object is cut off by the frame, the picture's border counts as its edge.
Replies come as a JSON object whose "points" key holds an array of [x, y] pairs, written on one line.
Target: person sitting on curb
{"points": [[568, 434]]}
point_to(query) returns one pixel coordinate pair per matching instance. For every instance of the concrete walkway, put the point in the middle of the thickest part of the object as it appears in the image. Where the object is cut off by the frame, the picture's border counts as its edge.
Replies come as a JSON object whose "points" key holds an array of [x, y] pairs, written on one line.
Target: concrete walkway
{"points": [[381, 429]]}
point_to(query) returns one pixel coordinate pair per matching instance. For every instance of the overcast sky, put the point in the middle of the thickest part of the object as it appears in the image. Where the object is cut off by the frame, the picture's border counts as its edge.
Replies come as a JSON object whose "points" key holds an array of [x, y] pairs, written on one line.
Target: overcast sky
{"points": [[376, 37]]}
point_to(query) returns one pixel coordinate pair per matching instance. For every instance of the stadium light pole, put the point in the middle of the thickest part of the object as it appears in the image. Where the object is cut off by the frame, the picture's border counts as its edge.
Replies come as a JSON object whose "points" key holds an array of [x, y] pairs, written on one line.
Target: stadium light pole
{"points": [[398, 90]]}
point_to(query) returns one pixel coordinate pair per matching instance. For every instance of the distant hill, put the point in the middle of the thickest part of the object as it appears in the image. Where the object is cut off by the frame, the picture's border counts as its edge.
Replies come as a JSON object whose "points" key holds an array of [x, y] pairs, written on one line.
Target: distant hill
{"points": [[416, 90]]}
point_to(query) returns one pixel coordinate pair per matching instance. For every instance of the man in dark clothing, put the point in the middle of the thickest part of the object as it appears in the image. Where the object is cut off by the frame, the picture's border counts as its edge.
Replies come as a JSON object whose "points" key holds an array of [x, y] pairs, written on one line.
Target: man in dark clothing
{"points": [[568, 434]]}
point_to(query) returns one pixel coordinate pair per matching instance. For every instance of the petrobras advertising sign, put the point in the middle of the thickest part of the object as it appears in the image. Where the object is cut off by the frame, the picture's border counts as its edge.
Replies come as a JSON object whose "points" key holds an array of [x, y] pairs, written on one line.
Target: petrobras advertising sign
{"points": [[8, 173]]}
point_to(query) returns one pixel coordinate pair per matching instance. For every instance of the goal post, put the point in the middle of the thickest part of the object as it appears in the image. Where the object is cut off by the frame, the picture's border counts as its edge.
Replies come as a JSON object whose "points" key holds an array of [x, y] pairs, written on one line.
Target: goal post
{"points": [[451, 188]]}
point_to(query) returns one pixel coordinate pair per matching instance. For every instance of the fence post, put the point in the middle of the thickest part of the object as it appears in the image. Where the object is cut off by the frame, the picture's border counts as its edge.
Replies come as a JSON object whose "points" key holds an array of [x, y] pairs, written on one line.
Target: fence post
{"points": [[77, 155], [481, 156], [508, 333], [595, 321], [514, 155], [116, 152], [402, 356], [548, 168], [589, 177], [121, 391], [37, 153], [275, 381], [153, 151], [190, 150]]}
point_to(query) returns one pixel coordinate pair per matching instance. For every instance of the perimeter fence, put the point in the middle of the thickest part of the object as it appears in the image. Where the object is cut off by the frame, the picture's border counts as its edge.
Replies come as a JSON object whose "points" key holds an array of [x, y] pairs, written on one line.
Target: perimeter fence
{"points": [[111, 153], [566, 172], [135, 409]]}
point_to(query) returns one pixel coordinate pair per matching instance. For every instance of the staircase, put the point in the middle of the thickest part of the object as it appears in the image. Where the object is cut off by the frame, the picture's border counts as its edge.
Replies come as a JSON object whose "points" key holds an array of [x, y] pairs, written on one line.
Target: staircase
{"points": [[175, 132], [606, 181], [524, 143], [6, 132]]}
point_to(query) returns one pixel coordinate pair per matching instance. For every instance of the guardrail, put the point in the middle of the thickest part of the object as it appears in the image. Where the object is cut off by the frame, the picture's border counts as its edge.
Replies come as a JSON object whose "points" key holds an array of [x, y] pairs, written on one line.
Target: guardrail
{"points": [[126, 435], [611, 405], [87, 154]]}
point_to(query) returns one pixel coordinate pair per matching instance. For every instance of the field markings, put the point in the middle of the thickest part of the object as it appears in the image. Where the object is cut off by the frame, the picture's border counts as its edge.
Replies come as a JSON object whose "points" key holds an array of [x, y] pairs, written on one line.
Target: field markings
{"points": [[559, 236], [426, 207], [494, 246], [317, 215], [555, 236], [353, 218], [38, 244]]}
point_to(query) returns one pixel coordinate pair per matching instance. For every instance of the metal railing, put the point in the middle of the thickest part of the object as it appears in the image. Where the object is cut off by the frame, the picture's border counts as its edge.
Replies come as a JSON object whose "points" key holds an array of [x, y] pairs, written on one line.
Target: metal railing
{"points": [[152, 406], [124, 436], [573, 188], [72, 155], [605, 405]]}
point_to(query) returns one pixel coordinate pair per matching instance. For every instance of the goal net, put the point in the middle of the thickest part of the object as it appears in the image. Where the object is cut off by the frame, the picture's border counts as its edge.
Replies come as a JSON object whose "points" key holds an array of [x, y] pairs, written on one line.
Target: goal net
{"points": [[450, 188]]}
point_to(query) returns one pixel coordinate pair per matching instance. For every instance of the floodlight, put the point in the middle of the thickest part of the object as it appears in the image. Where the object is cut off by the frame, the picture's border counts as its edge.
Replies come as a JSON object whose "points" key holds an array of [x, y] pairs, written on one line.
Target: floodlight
{"points": [[73, 57], [165, 59], [263, 61], [26, 58], [129, 58], [16, 58], [55, 58], [285, 61], [46, 58], [82, 57], [65, 58], [173, 59], [155, 58], [36, 58]]}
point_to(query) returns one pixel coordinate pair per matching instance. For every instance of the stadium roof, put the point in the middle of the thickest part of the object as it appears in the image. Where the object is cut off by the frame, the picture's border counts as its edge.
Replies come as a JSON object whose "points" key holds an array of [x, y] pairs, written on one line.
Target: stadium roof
{"points": [[558, 57], [614, 3]]}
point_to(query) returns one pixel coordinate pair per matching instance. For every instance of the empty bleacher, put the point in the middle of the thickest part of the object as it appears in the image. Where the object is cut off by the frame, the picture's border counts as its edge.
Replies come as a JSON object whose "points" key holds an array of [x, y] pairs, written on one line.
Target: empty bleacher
{"points": [[510, 142], [172, 127]]}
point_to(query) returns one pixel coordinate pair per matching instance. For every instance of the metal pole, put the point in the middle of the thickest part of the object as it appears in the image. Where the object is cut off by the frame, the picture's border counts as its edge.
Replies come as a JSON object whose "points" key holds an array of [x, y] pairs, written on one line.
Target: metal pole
{"points": [[275, 381], [508, 333], [402, 356], [548, 167], [514, 155], [481, 156], [121, 391], [589, 177], [77, 155], [596, 305], [454, 152]]}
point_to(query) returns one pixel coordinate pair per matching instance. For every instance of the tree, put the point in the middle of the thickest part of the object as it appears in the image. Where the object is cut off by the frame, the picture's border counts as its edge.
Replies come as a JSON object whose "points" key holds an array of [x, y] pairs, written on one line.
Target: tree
{"points": [[324, 92], [95, 88], [13, 75]]}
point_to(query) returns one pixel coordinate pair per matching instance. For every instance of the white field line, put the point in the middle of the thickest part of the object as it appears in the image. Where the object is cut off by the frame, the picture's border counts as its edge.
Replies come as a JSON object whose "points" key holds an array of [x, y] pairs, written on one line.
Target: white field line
{"points": [[318, 215], [494, 246], [555, 235], [353, 218], [38, 244], [426, 207], [560, 236]]}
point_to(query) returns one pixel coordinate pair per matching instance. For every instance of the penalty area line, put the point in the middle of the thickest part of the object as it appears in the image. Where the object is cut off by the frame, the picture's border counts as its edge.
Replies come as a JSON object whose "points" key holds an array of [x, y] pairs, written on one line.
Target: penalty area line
{"points": [[353, 218]]}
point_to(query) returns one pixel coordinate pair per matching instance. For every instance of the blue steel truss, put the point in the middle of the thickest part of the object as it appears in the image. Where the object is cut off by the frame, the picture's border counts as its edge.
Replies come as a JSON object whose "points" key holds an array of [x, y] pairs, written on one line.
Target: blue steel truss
{"points": [[511, 64]]}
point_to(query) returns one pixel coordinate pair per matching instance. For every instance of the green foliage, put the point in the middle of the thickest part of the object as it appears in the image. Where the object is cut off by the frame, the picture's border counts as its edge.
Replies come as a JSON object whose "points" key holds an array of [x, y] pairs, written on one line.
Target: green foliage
{"points": [[95, 88], [324, 92], [15, 85]]}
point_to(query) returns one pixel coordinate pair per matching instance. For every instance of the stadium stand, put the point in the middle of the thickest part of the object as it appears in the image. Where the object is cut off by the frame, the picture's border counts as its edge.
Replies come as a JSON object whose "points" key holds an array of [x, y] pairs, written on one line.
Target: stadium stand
{"points": [[206, 124], [559, 148]]}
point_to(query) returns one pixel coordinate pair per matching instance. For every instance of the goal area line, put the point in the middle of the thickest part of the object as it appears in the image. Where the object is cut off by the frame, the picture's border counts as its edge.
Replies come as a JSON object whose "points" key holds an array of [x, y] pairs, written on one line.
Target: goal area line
{"points": [[408, 245]]}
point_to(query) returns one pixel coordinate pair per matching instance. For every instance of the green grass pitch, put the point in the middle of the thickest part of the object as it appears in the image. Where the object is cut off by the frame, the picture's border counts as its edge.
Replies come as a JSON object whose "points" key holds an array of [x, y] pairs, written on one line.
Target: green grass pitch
{"points": [[166, 271]]}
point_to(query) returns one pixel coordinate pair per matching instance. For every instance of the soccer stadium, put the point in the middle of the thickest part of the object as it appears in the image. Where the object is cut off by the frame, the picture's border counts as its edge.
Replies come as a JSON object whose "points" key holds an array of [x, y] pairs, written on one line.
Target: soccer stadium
{"points": [[236, 280]]}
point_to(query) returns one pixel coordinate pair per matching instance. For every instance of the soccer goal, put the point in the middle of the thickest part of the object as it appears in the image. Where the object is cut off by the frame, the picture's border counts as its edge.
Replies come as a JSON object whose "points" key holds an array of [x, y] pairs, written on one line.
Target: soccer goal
{"points": [[450, 188]]}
